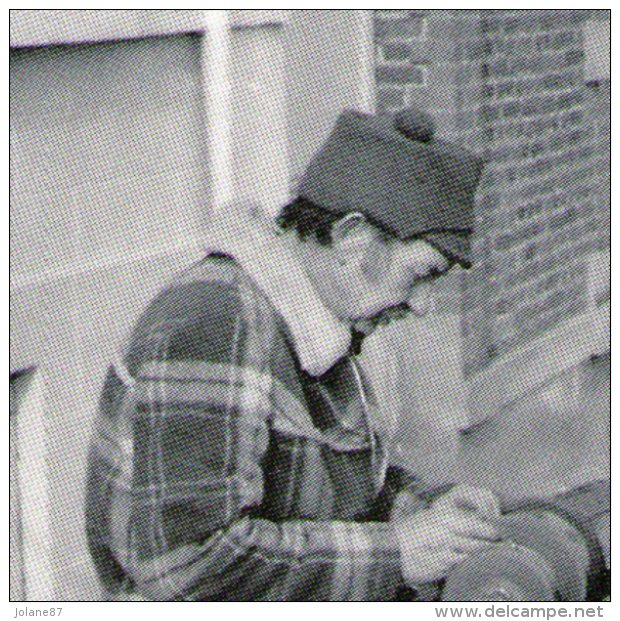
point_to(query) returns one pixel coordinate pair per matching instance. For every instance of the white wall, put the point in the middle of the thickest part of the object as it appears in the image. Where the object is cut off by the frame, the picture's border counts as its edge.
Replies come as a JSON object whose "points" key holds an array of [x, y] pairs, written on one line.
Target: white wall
{"points": [[108, 179], [259, 111], [329, 67]]}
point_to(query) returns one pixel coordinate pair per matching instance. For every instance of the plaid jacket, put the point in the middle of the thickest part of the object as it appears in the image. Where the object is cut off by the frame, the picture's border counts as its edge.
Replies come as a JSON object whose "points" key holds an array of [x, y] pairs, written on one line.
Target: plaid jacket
{"points": [[220, 470]]}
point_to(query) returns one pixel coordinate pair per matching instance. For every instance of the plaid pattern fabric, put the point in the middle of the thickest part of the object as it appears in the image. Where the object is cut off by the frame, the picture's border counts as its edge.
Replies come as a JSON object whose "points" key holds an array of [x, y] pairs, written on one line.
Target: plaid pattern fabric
{"points": [[218, 469]]}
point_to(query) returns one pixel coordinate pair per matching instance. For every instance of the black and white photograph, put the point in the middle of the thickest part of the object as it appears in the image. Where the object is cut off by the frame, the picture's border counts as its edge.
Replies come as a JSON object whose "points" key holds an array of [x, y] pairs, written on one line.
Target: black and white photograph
{"points": [[310, 305]]}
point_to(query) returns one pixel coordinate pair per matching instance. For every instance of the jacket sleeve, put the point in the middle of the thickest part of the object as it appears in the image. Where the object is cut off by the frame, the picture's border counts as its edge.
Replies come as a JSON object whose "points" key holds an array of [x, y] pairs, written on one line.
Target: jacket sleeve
{"points": [[200, 431]]}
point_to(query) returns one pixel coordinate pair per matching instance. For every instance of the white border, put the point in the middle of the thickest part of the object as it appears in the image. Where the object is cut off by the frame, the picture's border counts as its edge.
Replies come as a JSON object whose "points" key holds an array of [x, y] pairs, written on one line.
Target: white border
{"points": [[367, 96]]}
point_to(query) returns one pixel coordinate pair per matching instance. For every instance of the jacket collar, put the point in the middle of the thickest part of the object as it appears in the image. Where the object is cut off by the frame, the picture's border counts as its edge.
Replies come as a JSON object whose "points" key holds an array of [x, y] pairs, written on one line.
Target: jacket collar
{"points": [[247, 235]]}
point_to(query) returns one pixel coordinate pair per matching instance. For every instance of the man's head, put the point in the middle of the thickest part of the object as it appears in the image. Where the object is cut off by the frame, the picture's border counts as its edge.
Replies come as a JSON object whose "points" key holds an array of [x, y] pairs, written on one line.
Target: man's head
{"points": [[386, 207], [367, 276]]}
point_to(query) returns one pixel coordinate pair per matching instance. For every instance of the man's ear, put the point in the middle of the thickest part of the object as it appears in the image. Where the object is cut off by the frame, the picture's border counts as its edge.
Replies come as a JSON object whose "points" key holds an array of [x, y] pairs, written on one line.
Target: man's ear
{"points": [[354, 241], [351, 230], [351, 237]]}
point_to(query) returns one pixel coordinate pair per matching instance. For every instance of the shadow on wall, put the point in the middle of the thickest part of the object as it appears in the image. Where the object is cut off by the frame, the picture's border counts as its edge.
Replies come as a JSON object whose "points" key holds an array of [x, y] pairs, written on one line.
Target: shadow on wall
{"points": [[552, 440]]}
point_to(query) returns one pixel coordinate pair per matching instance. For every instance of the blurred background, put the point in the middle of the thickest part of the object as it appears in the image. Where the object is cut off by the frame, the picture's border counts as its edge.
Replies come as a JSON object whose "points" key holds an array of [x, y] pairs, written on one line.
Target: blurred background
{"points": [[129, 127]]}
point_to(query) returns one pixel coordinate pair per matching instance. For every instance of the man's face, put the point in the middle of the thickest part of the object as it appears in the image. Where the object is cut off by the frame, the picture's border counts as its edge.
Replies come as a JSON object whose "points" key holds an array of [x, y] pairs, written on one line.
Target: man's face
{"points": [[388, 279]]}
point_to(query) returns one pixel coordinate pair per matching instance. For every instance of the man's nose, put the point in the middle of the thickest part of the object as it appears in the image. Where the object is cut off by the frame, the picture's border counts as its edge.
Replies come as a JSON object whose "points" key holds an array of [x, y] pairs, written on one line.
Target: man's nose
{"points": [[420, 299]]}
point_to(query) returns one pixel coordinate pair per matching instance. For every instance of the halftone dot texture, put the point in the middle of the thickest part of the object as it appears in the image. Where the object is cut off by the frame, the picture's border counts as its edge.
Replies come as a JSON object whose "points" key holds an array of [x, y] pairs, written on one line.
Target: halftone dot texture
{"points": [[109, 179]]}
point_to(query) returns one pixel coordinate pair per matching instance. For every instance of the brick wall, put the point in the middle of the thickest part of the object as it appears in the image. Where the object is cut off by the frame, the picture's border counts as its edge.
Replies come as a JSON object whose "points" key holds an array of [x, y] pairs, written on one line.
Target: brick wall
{"points": [[510, 85]]}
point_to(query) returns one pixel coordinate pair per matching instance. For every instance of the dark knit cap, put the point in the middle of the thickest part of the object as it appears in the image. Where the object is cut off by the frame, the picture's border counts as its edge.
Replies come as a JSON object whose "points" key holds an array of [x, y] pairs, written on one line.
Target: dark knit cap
{"points": [[396, 173]]}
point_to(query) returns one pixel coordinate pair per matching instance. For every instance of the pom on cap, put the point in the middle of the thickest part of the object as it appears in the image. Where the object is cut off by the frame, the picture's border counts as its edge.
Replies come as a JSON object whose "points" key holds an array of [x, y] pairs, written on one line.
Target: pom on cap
{"points": [[414, 125]]}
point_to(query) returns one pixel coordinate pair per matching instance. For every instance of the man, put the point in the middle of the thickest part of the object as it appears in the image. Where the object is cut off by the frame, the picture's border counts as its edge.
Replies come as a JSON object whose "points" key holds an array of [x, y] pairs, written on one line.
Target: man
{"points": [[236, 455]]}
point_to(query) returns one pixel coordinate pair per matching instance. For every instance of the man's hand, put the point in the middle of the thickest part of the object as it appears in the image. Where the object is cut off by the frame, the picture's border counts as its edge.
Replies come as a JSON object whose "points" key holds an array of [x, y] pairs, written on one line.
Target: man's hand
{"points": [[433, 540]]}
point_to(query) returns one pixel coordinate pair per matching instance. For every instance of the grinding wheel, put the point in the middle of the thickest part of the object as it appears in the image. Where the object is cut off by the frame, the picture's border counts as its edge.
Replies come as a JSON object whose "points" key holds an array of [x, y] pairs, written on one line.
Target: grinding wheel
{"points": [[502, 572], [558, 542]]}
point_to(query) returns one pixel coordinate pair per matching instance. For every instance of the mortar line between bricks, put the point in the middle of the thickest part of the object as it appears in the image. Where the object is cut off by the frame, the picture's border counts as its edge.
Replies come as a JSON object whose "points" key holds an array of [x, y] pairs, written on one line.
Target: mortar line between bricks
{"points": [[513, 100], [531, 84], [550, 155], [517, 119], [529, 70], [503, 124], [409, 40]]}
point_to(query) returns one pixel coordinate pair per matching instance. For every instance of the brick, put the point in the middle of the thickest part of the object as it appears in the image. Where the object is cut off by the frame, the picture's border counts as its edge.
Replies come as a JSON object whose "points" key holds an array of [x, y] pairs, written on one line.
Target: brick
{"points": [[568, 100], [503, 306], [554, 81], [563, 39], [524, 87], [543, 125], [396, 51], [536, 309], [489, 113], [518, 276], [574, 57], [537, 321], [549, 62], [516, 22], [573, 117], [521, 46], [561, 278], [555, 19], [521, 64], [574, 137], [529, 211], [532, 150], [564, 137], [590, 243], [491, 26], [397, 75], [543, 42], [517, 236], [538, 105], [475, 50], [411, 26], [511, 110], [540, 167], [506, 88], [530, 252], [497, 68], [567, 218]]}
